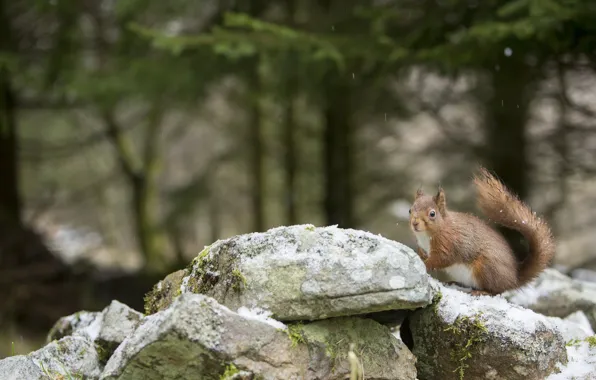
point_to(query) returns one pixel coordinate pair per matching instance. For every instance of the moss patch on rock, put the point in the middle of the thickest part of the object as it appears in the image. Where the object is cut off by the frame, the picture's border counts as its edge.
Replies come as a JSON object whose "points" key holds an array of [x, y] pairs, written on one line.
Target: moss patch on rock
{"points": [[164, 292], [213, 272], [295, 334], [467, 332], [229, 373], [216, 266]]}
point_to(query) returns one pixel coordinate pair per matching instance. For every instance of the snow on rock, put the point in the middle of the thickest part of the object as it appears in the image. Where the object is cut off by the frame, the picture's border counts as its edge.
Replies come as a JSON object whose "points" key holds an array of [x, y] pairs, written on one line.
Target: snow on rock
{"points": [[575, 326], [107, 329], [555, 294], [304, 273], [261, 315], [454, 336], [197, 338], [582, 362]]}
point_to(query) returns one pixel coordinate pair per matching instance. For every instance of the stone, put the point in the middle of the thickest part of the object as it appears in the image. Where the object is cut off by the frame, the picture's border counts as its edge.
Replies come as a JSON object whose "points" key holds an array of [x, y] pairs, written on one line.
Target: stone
{"points": [[303, 273], [557, 295], [20, 367], [453, 338], [72, 357], [196, 337], [107, 329], [583, 274], [66, 326]]}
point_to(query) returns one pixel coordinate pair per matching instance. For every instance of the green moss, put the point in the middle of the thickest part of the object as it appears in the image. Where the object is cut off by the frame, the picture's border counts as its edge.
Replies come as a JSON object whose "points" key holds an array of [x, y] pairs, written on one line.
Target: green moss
{"points": [[294, 332], [436, 300], [591, 340], [467, 332], [238, 280], [163, 293], [102, 354], [230, 371], [310, 227], [573, 342], [208, 270]]}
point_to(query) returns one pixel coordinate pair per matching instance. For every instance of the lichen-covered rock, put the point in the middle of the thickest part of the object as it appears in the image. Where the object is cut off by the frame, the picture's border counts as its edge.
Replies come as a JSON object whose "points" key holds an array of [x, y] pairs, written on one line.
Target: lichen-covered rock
{"points": [[107, 329], [72, 357], [582, 361], [382, 355], [303, 273], [557, 295], [461, 336], [68, 325], [20, 367], [197, 338]]}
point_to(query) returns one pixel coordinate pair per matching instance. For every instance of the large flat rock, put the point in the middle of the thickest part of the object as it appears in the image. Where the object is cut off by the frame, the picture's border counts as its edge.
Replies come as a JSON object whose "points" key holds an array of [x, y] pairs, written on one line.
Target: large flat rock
{"points": [[197, 338], [303, 273], [462, 336]]}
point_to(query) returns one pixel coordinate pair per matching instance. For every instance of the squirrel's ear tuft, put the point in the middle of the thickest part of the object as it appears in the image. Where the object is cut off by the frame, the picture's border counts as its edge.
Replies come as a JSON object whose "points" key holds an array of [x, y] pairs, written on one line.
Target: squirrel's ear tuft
{"points": [[419, 193], [441, 201]]}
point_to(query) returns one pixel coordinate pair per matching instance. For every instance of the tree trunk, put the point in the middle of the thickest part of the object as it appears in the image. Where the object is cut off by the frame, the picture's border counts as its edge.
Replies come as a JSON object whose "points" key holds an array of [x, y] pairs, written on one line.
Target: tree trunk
{"points": [[337, 153], [10, 203], [143, 210], [289, 128], [507, 115], [290, 159], [256, 147], [142, 175]]}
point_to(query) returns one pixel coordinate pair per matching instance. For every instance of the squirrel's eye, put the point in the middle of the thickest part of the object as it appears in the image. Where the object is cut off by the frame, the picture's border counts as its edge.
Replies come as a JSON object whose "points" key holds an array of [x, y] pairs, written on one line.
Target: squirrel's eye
{"points": [[409, 211], [432, 213]]}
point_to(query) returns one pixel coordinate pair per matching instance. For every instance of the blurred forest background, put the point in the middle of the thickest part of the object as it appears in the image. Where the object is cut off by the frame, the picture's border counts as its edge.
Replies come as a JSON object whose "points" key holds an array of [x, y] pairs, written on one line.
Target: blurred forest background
{"points": [[135, 132]]}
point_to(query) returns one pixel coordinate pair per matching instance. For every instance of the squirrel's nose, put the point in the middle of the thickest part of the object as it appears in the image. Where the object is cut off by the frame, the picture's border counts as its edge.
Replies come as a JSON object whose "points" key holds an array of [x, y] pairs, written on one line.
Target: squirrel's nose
{"points": [[415, 223]]}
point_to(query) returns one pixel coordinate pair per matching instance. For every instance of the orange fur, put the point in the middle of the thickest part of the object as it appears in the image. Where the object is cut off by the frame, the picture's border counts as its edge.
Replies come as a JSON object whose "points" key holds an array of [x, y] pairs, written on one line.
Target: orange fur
{"points": [[458, 238]]}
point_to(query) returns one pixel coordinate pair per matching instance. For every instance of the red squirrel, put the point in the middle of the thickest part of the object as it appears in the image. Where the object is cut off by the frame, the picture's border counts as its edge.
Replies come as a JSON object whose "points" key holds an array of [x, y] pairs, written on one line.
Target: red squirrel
{"points": [[470, 251]]}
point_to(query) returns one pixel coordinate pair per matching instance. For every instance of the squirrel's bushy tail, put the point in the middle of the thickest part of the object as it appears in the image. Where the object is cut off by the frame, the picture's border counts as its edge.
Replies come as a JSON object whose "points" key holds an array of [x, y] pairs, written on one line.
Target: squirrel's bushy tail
{"points": [[503, 207]]}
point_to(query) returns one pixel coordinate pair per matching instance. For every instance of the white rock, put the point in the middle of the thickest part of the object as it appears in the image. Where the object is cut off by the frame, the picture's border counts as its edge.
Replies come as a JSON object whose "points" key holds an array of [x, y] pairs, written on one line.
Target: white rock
{"points": [[302, 273], [456, 336]]}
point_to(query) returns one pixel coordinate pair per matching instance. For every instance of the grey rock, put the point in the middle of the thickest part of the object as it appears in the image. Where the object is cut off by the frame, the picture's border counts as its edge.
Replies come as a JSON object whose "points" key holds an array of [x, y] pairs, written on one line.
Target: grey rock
{"points": [[19, 368], [557, 295], [303, 273], [116, 323], [70, 324], [583, 274], [454, 337], [196, 337], [107, 329], [72, 357]]}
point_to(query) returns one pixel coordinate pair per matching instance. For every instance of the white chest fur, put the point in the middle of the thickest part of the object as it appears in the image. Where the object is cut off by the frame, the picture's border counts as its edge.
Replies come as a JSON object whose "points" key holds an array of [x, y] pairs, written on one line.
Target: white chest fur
{"points": [[423, 241], [462, 274]]}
